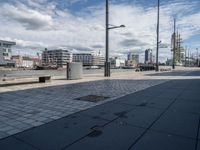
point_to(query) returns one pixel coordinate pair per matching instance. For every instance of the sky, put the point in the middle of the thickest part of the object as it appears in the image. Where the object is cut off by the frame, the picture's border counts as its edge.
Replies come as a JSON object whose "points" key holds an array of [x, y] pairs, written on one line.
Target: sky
{"points": [[79, 25]]}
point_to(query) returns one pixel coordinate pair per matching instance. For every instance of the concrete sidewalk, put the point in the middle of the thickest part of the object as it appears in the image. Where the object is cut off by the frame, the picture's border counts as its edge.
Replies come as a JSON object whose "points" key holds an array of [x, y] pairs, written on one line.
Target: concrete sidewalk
{"points": [[162, 117]]}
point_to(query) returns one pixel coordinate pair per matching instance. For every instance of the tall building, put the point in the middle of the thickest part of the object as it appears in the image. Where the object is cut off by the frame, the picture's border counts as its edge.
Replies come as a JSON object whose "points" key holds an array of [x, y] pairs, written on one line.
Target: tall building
{"points": [[85, 58], [6, 53], [148, 56], [132, 59], [132, 56], [117, 62], [58, 57]]}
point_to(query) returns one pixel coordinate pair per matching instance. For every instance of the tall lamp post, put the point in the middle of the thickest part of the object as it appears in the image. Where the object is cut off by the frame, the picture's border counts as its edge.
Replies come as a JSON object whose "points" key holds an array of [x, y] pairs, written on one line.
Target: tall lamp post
{"points": [[188, 57], [197, 57], [174, 47], [185, 57], [107, 63], [158, 22]]}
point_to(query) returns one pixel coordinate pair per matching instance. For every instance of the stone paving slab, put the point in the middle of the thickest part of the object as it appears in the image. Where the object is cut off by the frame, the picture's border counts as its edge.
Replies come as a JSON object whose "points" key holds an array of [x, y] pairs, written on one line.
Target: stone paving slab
{"points": [[141, 117], [108, 111], [160, 102], [187, 106], [135, 100], [198, 146], [178, 123], [14, 144], [114, 136], [162, 141], [60, 133]]}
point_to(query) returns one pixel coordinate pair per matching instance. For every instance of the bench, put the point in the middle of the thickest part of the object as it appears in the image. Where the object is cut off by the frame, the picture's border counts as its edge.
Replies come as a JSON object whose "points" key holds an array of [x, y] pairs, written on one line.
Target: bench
{"points": [[44, 79]]}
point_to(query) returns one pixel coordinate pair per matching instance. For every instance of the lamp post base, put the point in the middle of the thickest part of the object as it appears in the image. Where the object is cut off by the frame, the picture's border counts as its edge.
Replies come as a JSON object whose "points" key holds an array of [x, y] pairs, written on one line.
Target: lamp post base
{"points": [[107, 69], [157, 68], [173, 66]]}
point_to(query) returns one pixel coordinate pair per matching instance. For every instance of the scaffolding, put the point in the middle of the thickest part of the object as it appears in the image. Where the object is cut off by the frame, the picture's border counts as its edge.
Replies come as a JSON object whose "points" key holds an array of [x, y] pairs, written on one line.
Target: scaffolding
{"points": [[179, 54]]}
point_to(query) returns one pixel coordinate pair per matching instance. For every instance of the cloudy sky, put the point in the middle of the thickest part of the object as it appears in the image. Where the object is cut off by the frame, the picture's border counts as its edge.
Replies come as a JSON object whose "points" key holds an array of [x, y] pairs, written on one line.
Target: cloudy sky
{"points": [[79, 25]]}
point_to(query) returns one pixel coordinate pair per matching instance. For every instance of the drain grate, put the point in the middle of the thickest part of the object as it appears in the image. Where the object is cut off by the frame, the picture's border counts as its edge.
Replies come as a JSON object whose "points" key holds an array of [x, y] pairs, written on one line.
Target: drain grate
{"points": [[92, 98]]}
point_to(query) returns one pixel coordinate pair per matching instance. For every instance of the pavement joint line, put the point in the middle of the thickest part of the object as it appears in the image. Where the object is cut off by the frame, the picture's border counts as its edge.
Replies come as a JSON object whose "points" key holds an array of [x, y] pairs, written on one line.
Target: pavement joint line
{"points": [[183, 111], [79, 139], [18, 139], [92, 128], [147, 129], [197, 137], [154, 107], [108, 103], [164, 132]]}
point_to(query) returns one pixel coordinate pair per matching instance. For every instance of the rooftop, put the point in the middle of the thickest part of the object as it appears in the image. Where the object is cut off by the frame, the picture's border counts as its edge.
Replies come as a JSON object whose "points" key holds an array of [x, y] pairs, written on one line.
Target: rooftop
{"points": [[8, 42]]}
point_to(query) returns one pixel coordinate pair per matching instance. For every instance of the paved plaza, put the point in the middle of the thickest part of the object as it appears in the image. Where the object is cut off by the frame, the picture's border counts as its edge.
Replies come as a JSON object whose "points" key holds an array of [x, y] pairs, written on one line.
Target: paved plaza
{"points": [[156, 111], [24, 109]]}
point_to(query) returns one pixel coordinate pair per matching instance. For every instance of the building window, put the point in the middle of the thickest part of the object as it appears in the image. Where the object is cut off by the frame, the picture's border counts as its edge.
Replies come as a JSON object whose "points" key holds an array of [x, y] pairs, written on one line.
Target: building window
{"points": [[5, 54]]}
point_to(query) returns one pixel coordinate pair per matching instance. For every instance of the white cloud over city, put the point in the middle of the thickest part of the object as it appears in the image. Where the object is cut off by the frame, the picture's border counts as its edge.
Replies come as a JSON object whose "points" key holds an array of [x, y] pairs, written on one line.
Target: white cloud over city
{"points": [[35, 24]]}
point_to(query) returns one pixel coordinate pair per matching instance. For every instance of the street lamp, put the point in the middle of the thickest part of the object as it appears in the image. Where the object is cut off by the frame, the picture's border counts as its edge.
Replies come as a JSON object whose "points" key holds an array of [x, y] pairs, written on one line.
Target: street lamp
{"points": [[107, 63], [114, 27], [158, 21], [197, 57], [185, 56], [174, 47]]}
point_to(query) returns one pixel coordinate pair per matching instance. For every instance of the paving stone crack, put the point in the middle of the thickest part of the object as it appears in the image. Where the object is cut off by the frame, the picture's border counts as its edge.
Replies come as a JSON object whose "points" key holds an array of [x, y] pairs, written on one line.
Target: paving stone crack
{"points": [[197, 137], [147, 129]]}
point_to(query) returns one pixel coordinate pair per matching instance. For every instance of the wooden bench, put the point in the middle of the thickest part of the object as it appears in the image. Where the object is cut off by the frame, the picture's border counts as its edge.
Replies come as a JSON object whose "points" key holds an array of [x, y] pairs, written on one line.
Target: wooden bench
{"points": [[44, 79]]}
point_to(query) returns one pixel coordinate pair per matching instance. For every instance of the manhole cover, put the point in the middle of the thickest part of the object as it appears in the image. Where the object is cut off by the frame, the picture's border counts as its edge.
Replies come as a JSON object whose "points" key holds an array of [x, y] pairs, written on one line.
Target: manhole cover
{"points": [[92, 98]]}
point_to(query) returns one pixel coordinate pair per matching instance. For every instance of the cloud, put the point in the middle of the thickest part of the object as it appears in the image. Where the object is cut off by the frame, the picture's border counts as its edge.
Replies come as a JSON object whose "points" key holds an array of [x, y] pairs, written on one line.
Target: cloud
{"points": [[100, 46], [132, 43], [127, 34], [30, 19], [164, 45], [43, 23], [75, 48]]}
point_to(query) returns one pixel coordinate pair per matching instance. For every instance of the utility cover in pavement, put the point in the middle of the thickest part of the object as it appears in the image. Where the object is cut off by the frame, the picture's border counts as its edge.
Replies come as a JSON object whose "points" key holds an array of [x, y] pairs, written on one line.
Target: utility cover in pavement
{"points": [[92, 98]]}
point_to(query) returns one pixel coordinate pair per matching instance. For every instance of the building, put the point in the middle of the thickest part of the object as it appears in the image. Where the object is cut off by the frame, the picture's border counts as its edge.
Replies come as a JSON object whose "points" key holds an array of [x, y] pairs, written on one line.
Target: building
{"points": [[27, 62], [169, 62], [6, 53], [18, 60], [85, 58], [89, 59], [37, 61], [23, 61], [179, 53], [98, 60], [148, 56], [132, 59], [56, 58], [132, 56], [117, 63]]}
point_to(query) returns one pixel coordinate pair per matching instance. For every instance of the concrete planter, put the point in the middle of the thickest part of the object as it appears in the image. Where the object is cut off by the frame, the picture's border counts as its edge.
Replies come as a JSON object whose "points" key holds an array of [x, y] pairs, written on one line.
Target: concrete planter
{"points": [[74, 71]]}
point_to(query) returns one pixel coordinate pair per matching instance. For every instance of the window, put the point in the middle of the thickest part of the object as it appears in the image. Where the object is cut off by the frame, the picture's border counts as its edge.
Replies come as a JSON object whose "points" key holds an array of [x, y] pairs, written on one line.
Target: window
{"points": [[6, 45], [5, 54]]}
